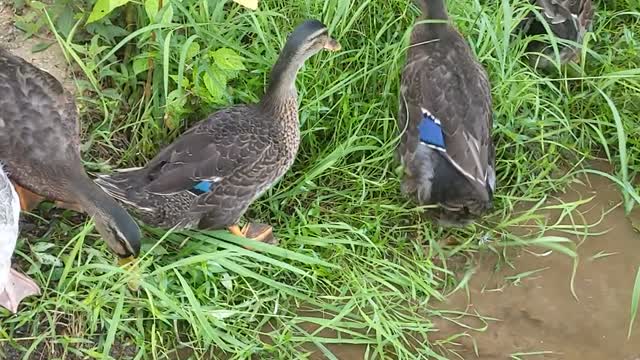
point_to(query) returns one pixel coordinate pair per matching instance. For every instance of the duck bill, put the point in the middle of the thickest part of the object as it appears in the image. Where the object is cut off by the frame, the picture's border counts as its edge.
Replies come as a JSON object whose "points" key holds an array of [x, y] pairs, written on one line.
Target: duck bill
{"points": [[332, 45]]}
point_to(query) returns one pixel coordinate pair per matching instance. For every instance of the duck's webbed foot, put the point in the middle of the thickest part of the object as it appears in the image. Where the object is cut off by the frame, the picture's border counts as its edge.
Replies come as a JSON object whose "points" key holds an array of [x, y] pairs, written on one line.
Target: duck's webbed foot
{"points": [[28, 200], [18, 287], [255, 231], [260, 232]]}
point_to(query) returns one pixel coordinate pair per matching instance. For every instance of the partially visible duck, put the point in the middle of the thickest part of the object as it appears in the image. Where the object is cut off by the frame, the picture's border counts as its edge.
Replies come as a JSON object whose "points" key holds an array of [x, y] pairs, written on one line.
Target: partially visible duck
{"points": [[14, 286], [208, 177], [40, 147], [568, 20], [445, 118]]}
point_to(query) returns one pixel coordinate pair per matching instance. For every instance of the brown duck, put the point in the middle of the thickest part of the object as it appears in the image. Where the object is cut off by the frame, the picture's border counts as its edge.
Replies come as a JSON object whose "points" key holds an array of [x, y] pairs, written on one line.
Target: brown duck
{"points": [[40, 147], [208, 177], [445, 118]]}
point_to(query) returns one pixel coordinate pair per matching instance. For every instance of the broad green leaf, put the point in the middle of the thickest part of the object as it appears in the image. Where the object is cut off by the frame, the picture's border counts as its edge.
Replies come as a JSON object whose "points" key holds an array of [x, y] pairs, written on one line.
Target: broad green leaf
{"points": [[176, 96], [65, 22], [41, 246], [103, 8], [227, 59], [193, 50], [151, 8], [168, 15], [48, 259], [215, 83], [38, 5], [140, 64], [41, 46], [176, 101], [185, 82]]}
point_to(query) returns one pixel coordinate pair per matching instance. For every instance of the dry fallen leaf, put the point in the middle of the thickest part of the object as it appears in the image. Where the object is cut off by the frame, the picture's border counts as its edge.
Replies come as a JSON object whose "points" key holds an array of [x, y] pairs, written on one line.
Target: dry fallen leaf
{"points": [[251, 4]]}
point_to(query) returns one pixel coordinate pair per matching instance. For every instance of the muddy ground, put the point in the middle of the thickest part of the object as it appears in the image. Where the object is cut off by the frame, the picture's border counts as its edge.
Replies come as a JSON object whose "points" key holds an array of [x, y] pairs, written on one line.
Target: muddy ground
{"points": [[539, 314], [536, 316]]}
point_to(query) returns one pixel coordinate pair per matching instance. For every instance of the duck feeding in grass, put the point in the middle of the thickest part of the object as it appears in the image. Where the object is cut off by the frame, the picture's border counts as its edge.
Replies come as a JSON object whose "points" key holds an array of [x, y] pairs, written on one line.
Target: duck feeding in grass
{"points": [[208, 177], [445, 118], [40, 147], [14, 286]]}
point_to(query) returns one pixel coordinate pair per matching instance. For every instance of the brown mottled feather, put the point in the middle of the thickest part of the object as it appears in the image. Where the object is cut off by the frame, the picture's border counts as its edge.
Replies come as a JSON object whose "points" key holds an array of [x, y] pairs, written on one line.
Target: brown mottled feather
{"points": [[39, 143], [443, 77], [242, 149]]}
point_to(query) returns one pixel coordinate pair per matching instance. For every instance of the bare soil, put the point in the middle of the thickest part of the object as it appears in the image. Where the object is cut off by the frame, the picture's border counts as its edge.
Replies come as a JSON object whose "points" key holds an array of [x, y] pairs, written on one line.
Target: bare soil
{"points": [[539, 314], [51, 59]]}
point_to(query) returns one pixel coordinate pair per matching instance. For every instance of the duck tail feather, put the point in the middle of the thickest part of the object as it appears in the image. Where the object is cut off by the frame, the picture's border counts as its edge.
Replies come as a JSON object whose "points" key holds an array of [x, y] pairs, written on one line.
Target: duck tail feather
{"points": [[119, 192], [110, 187]]}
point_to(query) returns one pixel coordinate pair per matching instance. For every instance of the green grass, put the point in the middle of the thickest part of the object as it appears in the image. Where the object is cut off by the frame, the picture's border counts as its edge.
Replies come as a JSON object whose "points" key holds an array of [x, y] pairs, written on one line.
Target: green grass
{"points": [[351, 245]]}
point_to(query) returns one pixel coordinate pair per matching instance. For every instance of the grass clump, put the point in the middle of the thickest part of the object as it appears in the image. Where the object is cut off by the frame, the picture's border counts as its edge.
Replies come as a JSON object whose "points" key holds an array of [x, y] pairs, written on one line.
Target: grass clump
{"points": [[351, 245]]}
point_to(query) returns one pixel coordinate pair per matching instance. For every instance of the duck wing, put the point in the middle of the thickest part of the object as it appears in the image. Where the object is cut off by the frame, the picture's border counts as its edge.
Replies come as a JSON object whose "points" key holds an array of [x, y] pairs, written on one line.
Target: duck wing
{"points": [[224, 146], [40, 133], [444, 83]]}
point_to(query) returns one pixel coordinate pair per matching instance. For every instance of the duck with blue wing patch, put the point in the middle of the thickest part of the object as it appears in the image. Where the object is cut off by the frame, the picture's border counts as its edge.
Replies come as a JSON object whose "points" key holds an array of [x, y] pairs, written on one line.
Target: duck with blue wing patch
{"points": [[430, 130], [209, 176], [445, 118]]}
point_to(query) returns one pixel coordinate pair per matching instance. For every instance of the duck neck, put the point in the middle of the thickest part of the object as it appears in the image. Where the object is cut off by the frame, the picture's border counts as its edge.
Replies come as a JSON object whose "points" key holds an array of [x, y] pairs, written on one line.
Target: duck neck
{"points": [[282, 84], [433, 9]]}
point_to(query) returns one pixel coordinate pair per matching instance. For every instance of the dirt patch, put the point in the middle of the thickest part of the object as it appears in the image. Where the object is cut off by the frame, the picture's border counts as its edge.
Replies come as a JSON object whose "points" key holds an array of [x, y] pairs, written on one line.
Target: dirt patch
{"points": [[44, 351], [538, 314], [51, 59]]}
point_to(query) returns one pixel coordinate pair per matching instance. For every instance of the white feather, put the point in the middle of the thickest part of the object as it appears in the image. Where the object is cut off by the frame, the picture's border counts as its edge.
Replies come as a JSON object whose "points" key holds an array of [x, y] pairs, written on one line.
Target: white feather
{"points": [[9, 225]]}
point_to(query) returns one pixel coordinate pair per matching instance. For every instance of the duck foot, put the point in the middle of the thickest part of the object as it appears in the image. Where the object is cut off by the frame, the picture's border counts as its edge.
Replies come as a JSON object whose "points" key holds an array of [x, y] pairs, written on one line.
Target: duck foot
{"points": [[28, 199], [450, 240], [255, 231], [18, 287]]}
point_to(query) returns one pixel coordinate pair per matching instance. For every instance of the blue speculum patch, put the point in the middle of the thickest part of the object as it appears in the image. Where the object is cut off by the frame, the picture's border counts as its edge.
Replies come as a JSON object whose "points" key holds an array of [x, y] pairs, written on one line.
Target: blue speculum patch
{"points": [[430, 131], [202, 187]]}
